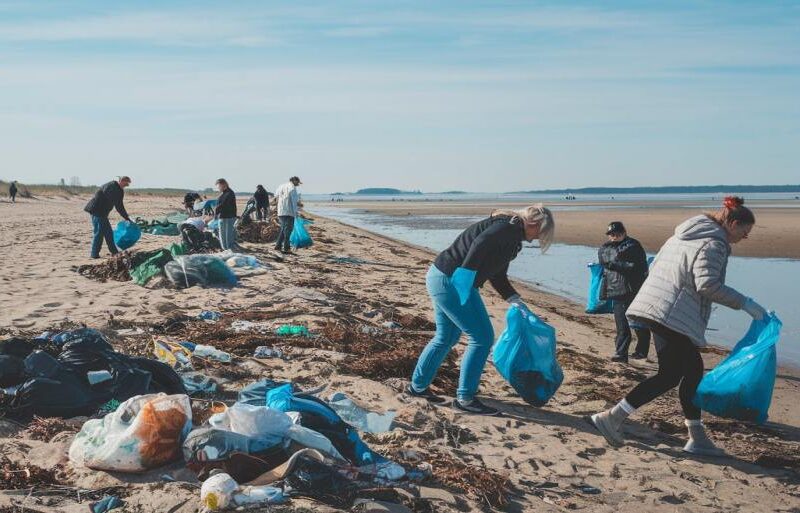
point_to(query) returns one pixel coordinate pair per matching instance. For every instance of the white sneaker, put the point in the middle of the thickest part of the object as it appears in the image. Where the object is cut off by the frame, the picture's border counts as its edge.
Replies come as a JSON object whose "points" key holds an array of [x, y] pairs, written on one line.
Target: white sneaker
{"points": [[603, 423]]}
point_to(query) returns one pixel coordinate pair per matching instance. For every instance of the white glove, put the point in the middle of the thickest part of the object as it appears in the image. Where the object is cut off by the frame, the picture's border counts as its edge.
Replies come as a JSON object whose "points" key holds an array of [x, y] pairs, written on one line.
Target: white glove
{"points": [[755, 310]]}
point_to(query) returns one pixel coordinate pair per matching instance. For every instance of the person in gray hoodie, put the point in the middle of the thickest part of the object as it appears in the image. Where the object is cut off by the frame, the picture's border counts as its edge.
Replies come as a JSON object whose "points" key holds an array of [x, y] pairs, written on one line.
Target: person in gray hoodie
{"points": [[687, 276]]}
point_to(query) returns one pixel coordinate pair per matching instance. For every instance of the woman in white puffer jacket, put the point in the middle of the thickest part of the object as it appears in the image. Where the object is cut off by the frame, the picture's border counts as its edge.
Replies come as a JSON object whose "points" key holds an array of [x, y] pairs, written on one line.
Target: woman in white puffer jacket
{"points": [[687, 276]]}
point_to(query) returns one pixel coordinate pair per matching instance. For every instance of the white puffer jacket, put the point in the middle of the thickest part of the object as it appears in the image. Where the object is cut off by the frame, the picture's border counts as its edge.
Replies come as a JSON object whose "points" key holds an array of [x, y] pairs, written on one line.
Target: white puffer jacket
{"points": [[687, 276]]}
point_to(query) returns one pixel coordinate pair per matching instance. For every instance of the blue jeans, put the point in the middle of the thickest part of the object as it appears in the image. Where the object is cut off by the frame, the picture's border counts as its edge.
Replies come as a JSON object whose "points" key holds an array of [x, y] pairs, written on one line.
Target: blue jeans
{"points": [[287, 225], [452, 319], [227, 233], [101, 229]]}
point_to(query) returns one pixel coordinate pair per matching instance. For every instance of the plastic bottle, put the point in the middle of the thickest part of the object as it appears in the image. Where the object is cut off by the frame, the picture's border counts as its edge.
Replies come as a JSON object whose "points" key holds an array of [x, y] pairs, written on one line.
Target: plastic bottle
{"points": [[212, 353], [96, 377], [292, 329], [217, 491]]}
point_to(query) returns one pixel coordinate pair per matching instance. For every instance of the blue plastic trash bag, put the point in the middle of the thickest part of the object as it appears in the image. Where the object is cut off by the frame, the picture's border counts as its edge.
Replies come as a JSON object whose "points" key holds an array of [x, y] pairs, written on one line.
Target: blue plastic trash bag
{"points": [[740, 387], [300, 237], [595, 305], [464, 281], [213, 225], [126, 234], [525, 355]]}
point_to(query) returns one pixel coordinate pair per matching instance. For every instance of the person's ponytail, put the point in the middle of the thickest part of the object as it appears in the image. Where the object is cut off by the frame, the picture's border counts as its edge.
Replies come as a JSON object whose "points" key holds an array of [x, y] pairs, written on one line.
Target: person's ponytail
{"points": [[733, 209]]}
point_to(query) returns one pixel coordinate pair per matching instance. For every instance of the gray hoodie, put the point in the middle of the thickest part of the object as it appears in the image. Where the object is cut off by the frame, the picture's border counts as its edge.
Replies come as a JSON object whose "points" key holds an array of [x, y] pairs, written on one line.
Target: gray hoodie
{"points": [[687, 276]]}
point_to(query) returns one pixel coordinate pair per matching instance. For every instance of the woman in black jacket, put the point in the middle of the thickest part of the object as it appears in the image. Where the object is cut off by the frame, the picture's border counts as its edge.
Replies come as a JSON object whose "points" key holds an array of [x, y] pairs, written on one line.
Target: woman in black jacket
{"points": [[226, 213], [481, 253]]}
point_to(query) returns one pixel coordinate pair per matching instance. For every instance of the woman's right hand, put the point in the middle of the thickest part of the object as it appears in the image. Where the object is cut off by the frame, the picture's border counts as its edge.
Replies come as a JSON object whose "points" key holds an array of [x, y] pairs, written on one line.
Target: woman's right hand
{"points": [[755, 310]]}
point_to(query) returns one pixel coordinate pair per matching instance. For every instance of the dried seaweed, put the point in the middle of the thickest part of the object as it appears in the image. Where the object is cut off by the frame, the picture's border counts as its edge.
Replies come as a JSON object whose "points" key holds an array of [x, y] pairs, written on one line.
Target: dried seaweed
{"points": [[14, 476], [488, 487], [259, 232], [45, 429]]}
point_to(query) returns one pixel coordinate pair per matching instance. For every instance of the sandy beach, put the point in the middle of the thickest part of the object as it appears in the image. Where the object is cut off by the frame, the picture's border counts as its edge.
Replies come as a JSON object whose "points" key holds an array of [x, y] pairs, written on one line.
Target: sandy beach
{"points": [[775, 234], [541, 459]]}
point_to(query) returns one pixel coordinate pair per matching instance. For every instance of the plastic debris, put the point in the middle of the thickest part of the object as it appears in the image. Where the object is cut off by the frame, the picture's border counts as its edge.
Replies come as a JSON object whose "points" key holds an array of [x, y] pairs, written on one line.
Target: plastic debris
{"points": [[208, 315], [292, 330], [217, 491], [197, 382], [391, 325], [267, 352], [212, 353], [359, 418], [106, 504]]}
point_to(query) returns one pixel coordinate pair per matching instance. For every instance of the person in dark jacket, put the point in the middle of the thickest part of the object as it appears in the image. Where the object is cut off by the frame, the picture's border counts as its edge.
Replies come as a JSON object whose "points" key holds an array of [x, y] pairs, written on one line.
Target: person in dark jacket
{"points": [[624, 271], [189, 200], [108, 196], [225, 211], [481, 253], [262, 202], [12, 191]]}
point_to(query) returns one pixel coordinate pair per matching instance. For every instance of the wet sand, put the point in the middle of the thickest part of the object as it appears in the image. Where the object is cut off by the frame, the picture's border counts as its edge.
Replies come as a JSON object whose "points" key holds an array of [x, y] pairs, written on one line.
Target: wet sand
{"points": [[546, 454], [775, 235]]}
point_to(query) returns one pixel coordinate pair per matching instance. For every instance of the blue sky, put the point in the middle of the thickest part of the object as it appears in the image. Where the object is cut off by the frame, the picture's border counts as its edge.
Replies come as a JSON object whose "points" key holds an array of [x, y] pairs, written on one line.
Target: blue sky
{"points": [[479, 96]]}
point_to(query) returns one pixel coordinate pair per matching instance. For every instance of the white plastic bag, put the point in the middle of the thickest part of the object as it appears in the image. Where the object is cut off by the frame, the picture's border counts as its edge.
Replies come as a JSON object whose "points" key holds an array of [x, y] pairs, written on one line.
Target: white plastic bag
{"points": [[254, 421], [145, 432]]}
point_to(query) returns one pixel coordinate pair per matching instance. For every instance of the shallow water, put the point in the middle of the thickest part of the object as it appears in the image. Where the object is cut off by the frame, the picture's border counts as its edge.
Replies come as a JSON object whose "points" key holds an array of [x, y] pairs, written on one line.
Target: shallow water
{"points": [[563, 271]]}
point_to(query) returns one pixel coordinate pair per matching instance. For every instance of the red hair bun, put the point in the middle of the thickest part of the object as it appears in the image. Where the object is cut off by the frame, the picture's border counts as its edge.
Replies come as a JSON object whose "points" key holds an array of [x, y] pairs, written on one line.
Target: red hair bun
{"points": [[733, 202]]}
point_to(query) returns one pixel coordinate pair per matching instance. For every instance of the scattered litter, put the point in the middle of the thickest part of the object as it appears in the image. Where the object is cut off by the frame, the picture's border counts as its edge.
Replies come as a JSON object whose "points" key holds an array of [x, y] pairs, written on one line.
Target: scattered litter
{"points": [[241, 326], [212, 353], [359, 418], [286, 330], [208, 315], [106, 504], [391, 325], [198, 383], [587, 489], [221, 491], [267, 352]]}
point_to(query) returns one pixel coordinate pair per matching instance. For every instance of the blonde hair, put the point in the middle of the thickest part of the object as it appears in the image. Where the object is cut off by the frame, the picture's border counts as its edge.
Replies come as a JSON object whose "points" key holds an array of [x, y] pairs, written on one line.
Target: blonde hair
{"points": [[535, 214]]}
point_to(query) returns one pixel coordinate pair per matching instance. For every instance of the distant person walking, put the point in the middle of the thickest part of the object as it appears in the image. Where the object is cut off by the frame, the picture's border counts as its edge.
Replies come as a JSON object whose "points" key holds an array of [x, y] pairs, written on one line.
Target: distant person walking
{"points": [[226, 213], [687, 277], [480, 253], [288, 200], [110, 195], [262, 203], [12, 191], [624, 271]]}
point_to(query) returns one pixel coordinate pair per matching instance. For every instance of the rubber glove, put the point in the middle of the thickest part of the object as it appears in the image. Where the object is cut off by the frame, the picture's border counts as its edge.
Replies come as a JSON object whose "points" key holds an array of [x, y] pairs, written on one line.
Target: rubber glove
{"points": [[755, 310], [517, 301], [463, 280]]}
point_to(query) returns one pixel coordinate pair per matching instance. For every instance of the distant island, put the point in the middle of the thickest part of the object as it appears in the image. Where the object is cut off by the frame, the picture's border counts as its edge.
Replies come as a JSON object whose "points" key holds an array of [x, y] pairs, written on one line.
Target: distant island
{"points": [[675, 189], [384, 191]]}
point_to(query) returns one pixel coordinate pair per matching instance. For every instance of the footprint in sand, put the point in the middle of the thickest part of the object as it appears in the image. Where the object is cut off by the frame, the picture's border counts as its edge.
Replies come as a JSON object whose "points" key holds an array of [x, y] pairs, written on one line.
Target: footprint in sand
{"points": [[51, 305]]}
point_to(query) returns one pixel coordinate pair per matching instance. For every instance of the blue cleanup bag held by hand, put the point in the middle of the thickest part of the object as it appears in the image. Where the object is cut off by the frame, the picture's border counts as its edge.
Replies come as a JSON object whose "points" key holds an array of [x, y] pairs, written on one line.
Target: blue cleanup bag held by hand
{"points": [[740, 387], [463, 281], [595, 305], [525, 355], [126, 234], [300, 237]]}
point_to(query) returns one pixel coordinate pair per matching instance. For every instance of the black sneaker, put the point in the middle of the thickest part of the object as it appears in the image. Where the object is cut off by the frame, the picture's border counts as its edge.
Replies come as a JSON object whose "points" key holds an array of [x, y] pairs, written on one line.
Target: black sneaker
{"points": [[426, 394], [638, 356], [476, 408], [619, 359]]}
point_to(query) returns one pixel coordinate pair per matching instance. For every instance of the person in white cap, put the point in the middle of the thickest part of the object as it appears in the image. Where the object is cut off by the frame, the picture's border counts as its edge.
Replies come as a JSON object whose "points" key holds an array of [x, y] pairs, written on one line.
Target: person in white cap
{"points": [[288, 200]]}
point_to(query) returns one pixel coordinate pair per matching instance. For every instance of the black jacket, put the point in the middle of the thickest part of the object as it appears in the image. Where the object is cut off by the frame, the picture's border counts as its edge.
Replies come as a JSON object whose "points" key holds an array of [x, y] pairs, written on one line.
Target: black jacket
{"points": [[12, 189], [487, 247], [226, 204], [624, 268], [107, 197], [262, 197], [190, 198]]}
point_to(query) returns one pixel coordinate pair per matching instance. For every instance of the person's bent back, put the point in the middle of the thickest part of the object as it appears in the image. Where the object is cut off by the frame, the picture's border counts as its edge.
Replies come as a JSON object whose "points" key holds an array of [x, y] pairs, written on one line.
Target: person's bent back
{"points": [[109, 196]]}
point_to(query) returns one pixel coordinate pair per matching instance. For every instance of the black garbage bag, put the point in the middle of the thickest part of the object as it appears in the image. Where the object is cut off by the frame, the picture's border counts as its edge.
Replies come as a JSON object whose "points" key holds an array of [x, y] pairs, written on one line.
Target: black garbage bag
{"points": [[322, 482], [18, 347], [12, 370], [242, 457]]}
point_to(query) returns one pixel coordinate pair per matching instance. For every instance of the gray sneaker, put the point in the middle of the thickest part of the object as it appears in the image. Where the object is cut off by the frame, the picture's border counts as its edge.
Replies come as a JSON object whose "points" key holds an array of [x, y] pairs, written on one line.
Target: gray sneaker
{"points": [[602, 422]]}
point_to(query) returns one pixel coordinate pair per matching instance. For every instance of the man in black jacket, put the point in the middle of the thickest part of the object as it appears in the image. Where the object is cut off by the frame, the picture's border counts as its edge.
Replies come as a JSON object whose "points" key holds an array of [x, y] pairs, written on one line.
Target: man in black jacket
{"points": [[624, 264], [262, 203], [107, 197], [12, 191], [226, 213]]}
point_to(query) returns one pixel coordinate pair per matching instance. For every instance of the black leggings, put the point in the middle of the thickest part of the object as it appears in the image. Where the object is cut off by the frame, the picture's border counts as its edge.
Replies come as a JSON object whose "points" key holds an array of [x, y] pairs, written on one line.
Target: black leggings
{"points": [[679, 362]]}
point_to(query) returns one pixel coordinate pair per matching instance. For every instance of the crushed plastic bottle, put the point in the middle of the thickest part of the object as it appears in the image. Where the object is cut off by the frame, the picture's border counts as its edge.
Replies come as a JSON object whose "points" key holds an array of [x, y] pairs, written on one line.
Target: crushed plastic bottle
{"points": [[254, 495], [212, 353], [359, 418], [208, 315], [292, 330], [217, 491]]}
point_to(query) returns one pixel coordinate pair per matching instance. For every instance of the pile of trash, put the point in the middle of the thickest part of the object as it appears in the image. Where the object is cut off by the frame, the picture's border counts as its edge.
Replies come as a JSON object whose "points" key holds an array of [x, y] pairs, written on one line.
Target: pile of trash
{"points": [[259, 231], [114, 268], [74, 373], [168, 225]]}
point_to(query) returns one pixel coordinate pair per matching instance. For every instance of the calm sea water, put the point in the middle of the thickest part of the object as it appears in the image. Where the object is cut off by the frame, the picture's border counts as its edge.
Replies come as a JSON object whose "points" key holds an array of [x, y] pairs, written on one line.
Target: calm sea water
{"points": [[563, 271]]}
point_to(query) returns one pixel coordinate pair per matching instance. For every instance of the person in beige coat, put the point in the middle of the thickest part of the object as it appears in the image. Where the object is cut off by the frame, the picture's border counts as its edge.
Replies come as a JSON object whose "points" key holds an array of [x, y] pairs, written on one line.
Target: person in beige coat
{"points": [[687, 276]]}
